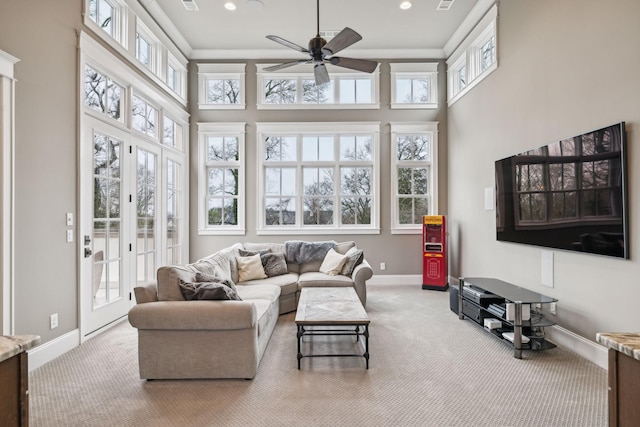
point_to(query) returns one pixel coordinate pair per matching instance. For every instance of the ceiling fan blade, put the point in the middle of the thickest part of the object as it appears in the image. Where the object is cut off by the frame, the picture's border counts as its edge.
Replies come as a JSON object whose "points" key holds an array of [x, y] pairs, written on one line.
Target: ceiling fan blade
{"points": [[322, 75], [344, 39], [355, 64], [287, 43], [286, 64]]}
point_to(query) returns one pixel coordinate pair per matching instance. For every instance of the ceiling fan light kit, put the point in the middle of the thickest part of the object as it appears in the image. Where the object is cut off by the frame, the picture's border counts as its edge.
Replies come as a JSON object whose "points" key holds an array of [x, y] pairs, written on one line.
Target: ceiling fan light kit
{"points": [[321, 51]]}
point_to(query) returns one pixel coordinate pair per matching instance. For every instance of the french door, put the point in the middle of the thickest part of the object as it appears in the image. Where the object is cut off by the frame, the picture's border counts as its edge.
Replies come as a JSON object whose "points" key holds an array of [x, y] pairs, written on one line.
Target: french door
{"points": [[106, 209]]}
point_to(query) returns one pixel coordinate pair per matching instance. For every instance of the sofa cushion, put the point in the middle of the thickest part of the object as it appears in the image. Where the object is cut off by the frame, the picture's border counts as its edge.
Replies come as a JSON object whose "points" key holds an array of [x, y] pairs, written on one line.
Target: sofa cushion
{"points": [[288, 283], [297, 251], [168, 284], [207, 291], [250, 268], [273, 247], [332, 263], [265, 291], [343, 247], [354, 258], [274, 264], [317, 279], [244, 252]]}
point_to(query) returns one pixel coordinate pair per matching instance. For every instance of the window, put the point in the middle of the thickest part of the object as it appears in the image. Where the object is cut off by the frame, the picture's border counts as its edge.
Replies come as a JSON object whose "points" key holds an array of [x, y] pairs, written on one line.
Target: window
{"points": [[414, 85], [414, 174], [143, 117], [475, 59], [172, 133], [221, 86], [102, 94], [104, 14], [221, 181], [146, 48], [297, 89], [318, 177]]}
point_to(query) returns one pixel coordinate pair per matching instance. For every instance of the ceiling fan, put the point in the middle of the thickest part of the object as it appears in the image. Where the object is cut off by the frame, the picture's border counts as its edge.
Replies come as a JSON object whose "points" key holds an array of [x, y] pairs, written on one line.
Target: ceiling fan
{"points": [[322, 53]]}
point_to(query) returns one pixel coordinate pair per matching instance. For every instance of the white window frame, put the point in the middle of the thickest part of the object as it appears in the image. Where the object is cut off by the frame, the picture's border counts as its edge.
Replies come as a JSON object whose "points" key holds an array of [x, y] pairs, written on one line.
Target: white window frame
{"points": [[469, 54], [208, 72], [180, 86], [130, 18], [154, 47], [424, 70], [157, 112], [413, 128], [119, 22], [303, 72], [299, 130], [205, 130]]}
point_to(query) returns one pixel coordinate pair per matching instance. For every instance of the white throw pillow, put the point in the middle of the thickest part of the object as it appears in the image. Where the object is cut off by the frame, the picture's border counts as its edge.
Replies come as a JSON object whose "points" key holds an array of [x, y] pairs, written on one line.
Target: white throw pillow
{"points": [[332, 263], [250, 268]]}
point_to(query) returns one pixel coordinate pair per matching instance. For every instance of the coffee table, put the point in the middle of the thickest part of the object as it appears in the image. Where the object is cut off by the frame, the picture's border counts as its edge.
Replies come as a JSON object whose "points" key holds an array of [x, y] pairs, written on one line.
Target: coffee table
{"points": [[338, 308]]}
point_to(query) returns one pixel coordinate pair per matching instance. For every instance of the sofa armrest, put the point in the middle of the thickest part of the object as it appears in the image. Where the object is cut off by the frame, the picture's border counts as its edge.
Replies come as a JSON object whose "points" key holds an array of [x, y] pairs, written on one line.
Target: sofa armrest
{"points": [[362, 272], [194, 315], [148, 293]]}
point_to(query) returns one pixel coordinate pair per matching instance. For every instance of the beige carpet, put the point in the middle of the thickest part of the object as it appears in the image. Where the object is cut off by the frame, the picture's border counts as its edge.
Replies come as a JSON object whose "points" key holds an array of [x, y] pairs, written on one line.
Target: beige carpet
{"points": [[427, 368]]}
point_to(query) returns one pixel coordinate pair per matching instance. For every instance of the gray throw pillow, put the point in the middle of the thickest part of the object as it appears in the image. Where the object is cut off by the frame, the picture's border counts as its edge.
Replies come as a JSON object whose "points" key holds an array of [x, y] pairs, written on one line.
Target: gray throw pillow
{"points": [[207, 291], [354, 258], [203, 277], [244, 253], [274, 264]]}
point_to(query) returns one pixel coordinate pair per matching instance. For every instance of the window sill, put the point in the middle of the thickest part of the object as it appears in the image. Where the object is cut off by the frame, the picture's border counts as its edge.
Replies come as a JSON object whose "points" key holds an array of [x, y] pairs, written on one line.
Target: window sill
{"points": [[407, 230], [375, 106], [314, 231], [222, 232], [400, 106]]}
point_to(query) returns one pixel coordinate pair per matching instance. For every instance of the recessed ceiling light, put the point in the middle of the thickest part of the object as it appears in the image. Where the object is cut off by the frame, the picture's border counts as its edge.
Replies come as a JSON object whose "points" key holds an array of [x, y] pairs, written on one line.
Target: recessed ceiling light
{"points": [[405, 5], [230, 5]]}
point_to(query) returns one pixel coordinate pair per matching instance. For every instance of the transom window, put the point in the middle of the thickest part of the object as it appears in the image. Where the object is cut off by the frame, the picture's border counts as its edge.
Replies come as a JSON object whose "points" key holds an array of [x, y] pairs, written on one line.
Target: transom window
{"points": [[316, 177], [414, 85], [297, 89], [144, 117], [146, 47], [221, 181], [103, 13], [221, 86], [414, 174], [475, 59], [103, 94], [172, 133]]}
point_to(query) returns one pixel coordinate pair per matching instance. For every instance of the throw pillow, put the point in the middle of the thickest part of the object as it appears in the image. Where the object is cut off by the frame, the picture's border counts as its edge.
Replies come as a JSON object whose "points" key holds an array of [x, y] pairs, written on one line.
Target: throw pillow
{"points": [[203, 277], [332, 263], [354, 258], [243, 252], [250, 268], [274, 264], [207, 291]]}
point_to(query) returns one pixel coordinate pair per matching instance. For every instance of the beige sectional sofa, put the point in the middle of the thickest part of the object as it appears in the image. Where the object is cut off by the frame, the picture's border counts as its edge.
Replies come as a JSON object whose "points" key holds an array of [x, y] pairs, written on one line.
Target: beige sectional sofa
{"points": [[226, 338]]}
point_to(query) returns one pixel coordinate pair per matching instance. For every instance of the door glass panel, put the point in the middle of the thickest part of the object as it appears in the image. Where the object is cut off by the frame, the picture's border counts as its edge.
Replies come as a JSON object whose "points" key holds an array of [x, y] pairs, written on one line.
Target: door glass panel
{"points": [[145, 221], [106, 237]]}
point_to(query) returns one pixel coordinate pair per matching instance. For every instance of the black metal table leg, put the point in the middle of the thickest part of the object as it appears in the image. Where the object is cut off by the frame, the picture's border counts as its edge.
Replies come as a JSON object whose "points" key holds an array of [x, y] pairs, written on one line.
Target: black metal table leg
{"points": [[366, 344]]}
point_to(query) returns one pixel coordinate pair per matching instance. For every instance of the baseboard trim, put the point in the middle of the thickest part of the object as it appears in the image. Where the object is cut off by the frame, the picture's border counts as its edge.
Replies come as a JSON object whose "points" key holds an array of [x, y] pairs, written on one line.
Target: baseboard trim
{"points": [[395, 279], [583, 347], [48, 351]]}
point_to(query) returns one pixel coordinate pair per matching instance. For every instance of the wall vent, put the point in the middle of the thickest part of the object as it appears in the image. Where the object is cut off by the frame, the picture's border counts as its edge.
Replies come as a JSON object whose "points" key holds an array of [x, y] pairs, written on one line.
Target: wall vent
{"points": [[445, 5], [190, 5], [329, 34]]}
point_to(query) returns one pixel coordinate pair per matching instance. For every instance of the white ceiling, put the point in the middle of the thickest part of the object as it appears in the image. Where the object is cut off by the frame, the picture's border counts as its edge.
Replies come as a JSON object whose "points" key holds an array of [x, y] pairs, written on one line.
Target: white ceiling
{"points": [[388, 32]]}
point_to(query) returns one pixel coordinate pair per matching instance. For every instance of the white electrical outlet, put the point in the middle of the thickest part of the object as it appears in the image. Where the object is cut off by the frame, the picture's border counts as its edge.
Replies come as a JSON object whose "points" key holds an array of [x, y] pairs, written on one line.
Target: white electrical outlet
{"points": [[69, 236], [553, 308], [383, 266], [53, 320]]}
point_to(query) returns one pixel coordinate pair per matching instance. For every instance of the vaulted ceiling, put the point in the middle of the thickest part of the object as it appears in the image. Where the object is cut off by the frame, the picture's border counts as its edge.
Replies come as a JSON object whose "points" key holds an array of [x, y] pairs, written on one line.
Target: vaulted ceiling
{"points": [[212, 31]]}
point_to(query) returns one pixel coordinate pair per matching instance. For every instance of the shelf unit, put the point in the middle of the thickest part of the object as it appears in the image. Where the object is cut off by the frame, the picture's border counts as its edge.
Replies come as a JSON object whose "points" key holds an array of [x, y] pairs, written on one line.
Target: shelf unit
{"points": [[482, 292]]}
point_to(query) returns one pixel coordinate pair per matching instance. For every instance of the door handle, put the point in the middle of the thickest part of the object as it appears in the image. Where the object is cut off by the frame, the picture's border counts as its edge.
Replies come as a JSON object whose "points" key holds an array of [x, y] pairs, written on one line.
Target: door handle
{"points": [[87, 252]]}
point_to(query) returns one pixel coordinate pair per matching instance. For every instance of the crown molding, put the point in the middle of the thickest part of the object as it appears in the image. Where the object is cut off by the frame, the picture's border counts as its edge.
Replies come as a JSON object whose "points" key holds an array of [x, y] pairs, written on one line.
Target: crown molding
{"points": [[468, 24], [203, 54], [167, 26]]}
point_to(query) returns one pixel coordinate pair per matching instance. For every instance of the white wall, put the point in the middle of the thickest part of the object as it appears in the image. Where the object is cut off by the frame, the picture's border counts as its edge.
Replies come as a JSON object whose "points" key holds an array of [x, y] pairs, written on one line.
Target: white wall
{"points": [[565, 68]]}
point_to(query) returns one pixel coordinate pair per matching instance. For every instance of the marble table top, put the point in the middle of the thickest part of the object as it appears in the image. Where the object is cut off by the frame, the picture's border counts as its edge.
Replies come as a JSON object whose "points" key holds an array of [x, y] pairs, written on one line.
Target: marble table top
{"points": [[624, 342], [330, 306], [10, 345]]}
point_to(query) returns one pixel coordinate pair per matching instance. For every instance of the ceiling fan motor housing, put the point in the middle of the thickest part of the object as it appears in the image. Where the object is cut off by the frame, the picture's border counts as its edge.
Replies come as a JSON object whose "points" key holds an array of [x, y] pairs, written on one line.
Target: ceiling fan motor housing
{"points": [[315, 48]]}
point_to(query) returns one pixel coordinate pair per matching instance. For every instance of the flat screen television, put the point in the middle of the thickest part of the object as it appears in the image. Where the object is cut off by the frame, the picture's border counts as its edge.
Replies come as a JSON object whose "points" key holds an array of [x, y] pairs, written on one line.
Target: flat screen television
{"points": [[569, 194]]}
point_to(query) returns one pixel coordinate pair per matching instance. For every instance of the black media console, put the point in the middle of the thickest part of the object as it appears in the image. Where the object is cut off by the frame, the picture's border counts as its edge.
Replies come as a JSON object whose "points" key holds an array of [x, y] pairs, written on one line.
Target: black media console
{"points": [[507, 311]]}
